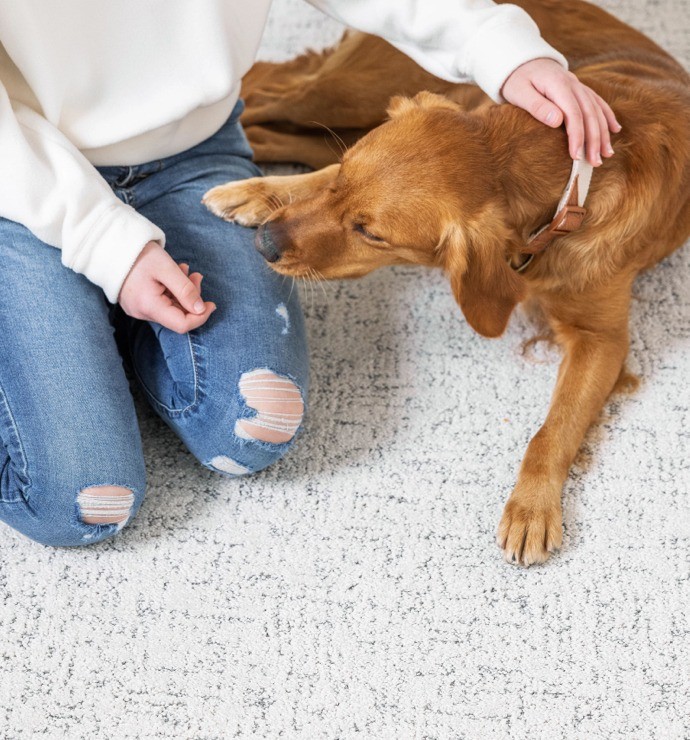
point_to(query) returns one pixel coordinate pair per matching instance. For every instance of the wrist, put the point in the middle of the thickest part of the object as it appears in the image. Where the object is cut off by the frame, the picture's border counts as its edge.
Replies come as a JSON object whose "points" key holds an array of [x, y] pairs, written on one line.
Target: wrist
{"points": [[148, 248]]}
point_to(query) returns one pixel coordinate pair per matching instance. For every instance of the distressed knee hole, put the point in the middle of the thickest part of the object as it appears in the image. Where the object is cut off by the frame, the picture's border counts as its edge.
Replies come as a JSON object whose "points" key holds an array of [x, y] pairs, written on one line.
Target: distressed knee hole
{"points": [[105, 504], [227, 465], [278, 404]]}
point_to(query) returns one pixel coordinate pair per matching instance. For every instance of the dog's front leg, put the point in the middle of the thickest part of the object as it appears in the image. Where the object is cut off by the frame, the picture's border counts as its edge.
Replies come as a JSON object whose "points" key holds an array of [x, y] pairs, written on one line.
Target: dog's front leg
{"points": [[531, 526], [251, 202]]}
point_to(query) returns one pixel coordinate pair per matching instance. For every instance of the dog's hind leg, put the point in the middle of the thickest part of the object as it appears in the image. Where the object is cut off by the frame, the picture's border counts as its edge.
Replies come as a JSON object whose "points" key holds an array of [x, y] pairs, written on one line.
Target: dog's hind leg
{"points": [[314, 148], [277, 92], [280, 76], [348, 87], [595, 348]]}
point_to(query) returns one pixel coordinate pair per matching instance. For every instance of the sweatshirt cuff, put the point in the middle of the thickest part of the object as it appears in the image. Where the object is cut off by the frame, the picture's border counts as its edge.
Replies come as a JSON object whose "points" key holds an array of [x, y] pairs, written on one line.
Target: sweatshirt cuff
{"points": [[497, 50], [112, 245]]}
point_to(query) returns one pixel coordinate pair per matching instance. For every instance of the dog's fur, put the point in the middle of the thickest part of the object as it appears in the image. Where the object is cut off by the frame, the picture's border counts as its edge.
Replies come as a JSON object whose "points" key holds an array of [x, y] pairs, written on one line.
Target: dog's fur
{"points": [[454, 181]]}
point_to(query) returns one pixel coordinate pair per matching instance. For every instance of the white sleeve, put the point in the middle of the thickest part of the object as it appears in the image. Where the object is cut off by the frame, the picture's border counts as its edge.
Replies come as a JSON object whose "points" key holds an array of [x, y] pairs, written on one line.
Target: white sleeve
{"points": [[456, 40], [47, 185]]}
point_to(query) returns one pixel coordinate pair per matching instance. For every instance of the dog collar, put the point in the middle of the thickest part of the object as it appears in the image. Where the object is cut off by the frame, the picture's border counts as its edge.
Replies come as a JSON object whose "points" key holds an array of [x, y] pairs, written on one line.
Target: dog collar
{"points": [[569, 213]]}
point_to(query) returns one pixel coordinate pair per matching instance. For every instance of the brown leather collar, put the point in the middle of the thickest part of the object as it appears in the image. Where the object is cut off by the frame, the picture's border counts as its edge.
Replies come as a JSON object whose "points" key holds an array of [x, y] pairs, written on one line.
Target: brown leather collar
{"points": [[569, 213]]}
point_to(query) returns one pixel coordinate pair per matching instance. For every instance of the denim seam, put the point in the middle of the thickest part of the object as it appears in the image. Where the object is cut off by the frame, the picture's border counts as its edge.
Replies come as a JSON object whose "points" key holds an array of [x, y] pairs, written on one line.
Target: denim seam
{"points": [[128, 196], [16, 440], [197, 386]]}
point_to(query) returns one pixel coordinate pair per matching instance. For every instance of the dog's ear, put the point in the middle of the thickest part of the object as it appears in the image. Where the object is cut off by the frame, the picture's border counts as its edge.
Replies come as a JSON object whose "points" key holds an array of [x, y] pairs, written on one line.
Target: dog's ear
{"points": [[486, 288], [399, 105]]}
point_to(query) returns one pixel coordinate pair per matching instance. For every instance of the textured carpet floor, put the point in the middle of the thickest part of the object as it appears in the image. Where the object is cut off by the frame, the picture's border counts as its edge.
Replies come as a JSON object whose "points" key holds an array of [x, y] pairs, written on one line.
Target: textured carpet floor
{"points": [[355, 590]]}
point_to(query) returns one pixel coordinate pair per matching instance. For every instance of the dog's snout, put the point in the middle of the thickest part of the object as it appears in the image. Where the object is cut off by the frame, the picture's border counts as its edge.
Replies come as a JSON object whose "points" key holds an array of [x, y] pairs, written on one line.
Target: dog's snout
{"points": [[266, 245]]}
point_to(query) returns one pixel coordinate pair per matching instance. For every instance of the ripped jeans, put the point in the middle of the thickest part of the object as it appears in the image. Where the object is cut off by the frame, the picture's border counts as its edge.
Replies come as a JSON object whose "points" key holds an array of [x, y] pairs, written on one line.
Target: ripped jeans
{"points": [[71, 463]]}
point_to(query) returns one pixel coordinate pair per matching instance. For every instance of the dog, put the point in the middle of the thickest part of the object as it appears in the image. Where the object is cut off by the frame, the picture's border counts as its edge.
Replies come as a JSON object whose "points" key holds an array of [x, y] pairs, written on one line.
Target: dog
{"points": [[436, 174]]}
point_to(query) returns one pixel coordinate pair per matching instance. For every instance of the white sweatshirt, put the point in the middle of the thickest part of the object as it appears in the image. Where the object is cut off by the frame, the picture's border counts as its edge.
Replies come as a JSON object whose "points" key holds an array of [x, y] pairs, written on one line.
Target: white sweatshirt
{"points": [[89, 82]]}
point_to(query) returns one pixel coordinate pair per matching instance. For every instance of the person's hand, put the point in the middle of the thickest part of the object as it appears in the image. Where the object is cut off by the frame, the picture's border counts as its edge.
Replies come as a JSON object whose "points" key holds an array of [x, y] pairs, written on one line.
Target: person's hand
{"points": [[158, 289], [551, 94]]}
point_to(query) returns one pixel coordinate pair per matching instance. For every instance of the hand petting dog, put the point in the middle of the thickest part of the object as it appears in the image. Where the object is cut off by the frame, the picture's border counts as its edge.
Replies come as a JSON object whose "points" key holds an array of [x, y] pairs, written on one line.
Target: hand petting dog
{"points": [[551, 94]]}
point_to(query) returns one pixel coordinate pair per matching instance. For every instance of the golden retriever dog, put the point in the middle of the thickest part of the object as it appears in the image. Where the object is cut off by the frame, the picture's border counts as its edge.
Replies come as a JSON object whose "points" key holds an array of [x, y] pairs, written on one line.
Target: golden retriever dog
{"points": [[449, 179]]}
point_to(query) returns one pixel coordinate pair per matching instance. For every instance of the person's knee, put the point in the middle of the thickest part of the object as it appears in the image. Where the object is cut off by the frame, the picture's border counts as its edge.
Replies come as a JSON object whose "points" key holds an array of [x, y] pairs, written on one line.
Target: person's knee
{"points": [[277, 404], [92, 514], [105, 505], [60, 514], [271, 415]]}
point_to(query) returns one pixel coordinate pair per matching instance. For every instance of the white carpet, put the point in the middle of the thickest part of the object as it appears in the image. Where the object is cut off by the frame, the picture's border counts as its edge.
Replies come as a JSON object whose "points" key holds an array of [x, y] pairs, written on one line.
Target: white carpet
{"points": [[355, 590]]}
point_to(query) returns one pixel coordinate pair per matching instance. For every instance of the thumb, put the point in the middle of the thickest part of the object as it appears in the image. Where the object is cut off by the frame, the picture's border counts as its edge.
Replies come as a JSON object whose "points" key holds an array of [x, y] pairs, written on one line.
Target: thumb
{"points": [[182, 288]]}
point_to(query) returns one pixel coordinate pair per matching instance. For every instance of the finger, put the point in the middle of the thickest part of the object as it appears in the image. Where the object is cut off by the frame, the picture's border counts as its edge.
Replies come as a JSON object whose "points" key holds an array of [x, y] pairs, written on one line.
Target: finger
{"points": [[196, 278], [574, 125], [591, 122], [538, 105], [610, 116], [182, 288], [173, 301], [166, 313], [191, 321], [606, 148], [185, 268]]}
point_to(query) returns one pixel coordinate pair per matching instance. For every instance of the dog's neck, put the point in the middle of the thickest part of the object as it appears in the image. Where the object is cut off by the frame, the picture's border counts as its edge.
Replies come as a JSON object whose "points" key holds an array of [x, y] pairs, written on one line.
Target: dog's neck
{"points": [[532, 167]]}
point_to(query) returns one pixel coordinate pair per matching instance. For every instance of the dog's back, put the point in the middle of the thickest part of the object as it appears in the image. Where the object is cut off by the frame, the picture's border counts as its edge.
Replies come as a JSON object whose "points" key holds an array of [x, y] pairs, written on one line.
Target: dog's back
{"points": [[586, 34]]}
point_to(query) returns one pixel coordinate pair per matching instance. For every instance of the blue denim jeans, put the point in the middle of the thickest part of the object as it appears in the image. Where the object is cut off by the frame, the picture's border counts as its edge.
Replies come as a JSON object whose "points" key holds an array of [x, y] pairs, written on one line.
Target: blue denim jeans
{"points": [[67, 419]]}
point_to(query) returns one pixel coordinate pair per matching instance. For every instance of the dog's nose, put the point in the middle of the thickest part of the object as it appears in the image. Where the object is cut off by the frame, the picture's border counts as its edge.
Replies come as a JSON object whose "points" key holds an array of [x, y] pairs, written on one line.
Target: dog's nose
{"points": [[265, 244]]}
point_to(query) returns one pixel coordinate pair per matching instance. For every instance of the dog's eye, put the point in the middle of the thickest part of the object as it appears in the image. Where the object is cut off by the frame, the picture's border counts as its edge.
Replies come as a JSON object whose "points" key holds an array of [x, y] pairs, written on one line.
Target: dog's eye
{"points": [[367, 234]]}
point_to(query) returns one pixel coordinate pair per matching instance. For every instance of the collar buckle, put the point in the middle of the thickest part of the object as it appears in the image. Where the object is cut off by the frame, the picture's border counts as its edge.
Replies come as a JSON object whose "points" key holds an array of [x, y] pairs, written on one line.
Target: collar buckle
{"points": [[570, 212]]}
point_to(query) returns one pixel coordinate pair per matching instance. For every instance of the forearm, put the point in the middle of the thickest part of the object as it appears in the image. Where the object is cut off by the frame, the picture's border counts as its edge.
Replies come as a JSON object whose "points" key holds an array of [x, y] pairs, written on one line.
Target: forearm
{"points": [[49, 187], [474, 40]]}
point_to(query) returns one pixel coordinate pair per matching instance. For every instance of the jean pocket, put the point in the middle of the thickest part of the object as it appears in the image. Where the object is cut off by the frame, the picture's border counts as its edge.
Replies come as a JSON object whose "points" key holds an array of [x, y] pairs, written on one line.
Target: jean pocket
{"points": [[12, 450], [166, 366]]}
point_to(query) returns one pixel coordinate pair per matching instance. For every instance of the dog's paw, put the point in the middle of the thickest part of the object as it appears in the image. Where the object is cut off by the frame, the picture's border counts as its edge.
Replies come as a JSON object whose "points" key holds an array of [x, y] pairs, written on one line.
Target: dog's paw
{"points": [[529, 531], [246, 202]]}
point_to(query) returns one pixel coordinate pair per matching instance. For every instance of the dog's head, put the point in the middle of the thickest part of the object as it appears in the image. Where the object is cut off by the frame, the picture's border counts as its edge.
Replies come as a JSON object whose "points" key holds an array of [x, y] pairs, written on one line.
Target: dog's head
{"points": [[420, 189]]}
